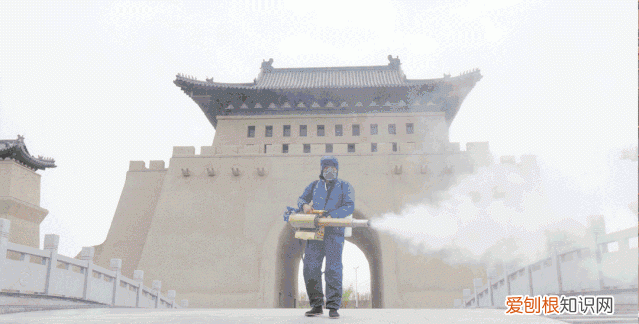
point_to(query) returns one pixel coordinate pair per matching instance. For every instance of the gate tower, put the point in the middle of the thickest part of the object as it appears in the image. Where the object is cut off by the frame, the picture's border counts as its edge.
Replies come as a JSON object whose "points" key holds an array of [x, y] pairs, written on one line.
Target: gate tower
{"points": [[211, 223]]}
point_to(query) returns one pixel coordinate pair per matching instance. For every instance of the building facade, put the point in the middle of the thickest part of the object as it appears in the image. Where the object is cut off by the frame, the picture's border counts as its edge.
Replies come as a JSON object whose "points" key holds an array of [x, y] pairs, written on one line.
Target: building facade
{"points": [[211, 223]]}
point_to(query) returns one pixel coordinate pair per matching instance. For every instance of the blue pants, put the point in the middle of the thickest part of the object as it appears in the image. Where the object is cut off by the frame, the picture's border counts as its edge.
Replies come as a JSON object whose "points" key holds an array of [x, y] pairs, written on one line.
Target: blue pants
{"points": [[332, 248]]}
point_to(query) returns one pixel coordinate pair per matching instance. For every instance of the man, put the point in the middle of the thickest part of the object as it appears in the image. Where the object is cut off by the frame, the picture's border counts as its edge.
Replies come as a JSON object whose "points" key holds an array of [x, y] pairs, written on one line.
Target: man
{"points": [[336, 197]]}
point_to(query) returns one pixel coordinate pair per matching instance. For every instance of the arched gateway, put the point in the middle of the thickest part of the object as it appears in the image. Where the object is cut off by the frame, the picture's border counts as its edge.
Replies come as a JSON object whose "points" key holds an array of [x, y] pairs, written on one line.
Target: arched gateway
{"points": [[211, 226]]}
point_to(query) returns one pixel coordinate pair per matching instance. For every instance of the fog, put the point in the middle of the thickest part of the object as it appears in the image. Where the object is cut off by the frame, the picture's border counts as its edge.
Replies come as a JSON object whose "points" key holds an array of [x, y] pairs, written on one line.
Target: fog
{"points": [[507, 214]]}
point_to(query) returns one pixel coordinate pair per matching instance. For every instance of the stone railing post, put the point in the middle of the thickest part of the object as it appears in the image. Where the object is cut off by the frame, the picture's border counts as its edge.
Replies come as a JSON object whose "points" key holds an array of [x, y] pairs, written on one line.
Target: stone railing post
{"points": [[599, 256], [87, 255], [171, 297], [507, 277], [492, 274], [115, 265], [477, 283], [530, 280], [157, 285], [557, 259], [51, 242], [5, 227], [466, 297], [184, 303], [138, 276]]}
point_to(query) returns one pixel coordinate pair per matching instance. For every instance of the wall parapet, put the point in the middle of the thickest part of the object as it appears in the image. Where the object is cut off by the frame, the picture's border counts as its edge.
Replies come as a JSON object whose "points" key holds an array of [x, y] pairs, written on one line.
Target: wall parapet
{"points": [[137, 166], [477, 147], [30, 271], [557, 275], [154, 165], [183, 150]]}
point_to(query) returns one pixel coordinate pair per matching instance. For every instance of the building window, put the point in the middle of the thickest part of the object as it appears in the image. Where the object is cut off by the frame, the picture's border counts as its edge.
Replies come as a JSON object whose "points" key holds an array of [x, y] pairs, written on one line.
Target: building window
{"points": [[302, 130], [269, 131], [329, 148], [307, 148], [351, 148], [373, 147], [394, 147], [391, 128], [373, 129], [355, 130], [409, 128], [287, 130], [251, 131], [338, 130], [320, 130], [284, 148], [266, 146]]}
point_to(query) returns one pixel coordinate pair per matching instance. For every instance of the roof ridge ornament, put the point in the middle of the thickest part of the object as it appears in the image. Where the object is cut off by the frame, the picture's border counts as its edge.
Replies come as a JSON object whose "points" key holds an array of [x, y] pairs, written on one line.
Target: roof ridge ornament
{"points": [[267, 66], [394, 62], [20, 138]]}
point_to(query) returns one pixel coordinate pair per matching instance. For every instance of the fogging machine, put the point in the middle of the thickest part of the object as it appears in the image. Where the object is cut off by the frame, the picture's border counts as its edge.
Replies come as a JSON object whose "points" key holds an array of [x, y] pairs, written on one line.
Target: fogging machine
{"points": [[311, 226]]}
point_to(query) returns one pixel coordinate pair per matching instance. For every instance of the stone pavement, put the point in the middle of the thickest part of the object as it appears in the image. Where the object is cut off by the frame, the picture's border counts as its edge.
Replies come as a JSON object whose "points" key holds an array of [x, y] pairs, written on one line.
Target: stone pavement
{"points": [[277, 315]]}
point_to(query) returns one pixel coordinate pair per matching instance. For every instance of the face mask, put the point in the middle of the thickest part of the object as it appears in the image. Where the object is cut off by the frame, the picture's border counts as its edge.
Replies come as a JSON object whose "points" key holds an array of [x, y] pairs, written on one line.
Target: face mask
{"points": [[330, 173]]}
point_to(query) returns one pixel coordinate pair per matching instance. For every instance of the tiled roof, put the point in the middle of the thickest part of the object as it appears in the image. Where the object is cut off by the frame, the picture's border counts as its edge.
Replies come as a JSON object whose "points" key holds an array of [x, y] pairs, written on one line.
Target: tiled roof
{"points": [[16, 150], [390, 75], [346, 77]]}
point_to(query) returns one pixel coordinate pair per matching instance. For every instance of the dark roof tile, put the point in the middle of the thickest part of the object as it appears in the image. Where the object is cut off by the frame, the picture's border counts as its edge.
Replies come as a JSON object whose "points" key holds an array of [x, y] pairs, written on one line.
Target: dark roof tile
{"points": [[16, 150]]}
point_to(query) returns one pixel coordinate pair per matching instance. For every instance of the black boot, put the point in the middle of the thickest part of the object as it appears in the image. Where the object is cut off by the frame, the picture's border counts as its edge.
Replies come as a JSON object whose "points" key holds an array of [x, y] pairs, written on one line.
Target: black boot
{"points": [[316, 311], [333, 313]]}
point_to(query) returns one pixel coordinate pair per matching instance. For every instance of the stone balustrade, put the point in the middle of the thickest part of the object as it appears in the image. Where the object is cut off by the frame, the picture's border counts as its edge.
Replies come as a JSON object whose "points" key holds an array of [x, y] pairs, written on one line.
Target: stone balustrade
{"points": [[31, 271], [610, 269]]}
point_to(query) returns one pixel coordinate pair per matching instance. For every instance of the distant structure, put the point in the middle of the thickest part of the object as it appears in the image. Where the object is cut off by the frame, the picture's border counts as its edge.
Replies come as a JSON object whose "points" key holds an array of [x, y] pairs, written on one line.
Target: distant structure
{"points": [[20, 191], [212, 225]]}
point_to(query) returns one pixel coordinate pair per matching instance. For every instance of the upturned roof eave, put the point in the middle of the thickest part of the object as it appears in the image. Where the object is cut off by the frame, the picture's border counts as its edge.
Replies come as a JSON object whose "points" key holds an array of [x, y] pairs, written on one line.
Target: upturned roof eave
{"points": [[17, 151]]}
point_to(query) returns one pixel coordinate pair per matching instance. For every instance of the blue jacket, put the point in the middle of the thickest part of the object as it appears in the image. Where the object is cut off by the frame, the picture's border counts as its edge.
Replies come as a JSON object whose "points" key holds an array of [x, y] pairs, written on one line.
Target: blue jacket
{"points": [[339, 204]]}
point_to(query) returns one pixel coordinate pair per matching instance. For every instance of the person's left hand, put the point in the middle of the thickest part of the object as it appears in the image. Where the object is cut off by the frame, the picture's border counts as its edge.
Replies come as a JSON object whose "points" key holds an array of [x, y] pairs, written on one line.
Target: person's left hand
{"points": [[288, 212]]}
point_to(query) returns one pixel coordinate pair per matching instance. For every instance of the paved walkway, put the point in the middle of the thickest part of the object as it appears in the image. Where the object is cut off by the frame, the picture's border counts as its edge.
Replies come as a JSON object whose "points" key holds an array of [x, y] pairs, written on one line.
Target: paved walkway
{"points": [[133, 315]]}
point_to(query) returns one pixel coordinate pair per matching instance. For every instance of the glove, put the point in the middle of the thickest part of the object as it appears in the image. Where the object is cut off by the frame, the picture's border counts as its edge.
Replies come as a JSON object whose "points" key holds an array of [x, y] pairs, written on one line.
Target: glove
{"points": [[288, 212]]}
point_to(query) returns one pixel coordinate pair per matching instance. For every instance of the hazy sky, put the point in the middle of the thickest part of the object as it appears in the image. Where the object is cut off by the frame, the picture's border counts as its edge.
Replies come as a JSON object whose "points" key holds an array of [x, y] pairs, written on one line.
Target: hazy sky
{"points": [[90, 83]]}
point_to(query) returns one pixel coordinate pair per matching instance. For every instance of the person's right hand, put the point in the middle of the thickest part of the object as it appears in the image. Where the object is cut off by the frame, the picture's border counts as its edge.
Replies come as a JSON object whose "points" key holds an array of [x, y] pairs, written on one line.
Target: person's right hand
{"points": [[307, 208]]}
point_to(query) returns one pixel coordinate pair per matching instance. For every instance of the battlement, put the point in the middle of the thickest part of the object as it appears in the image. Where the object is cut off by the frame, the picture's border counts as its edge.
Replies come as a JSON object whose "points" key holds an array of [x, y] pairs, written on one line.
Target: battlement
{"points": [[477, 147], [453, 147], [154, 165], [183, 150], [405, 158], [137, 166]]}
